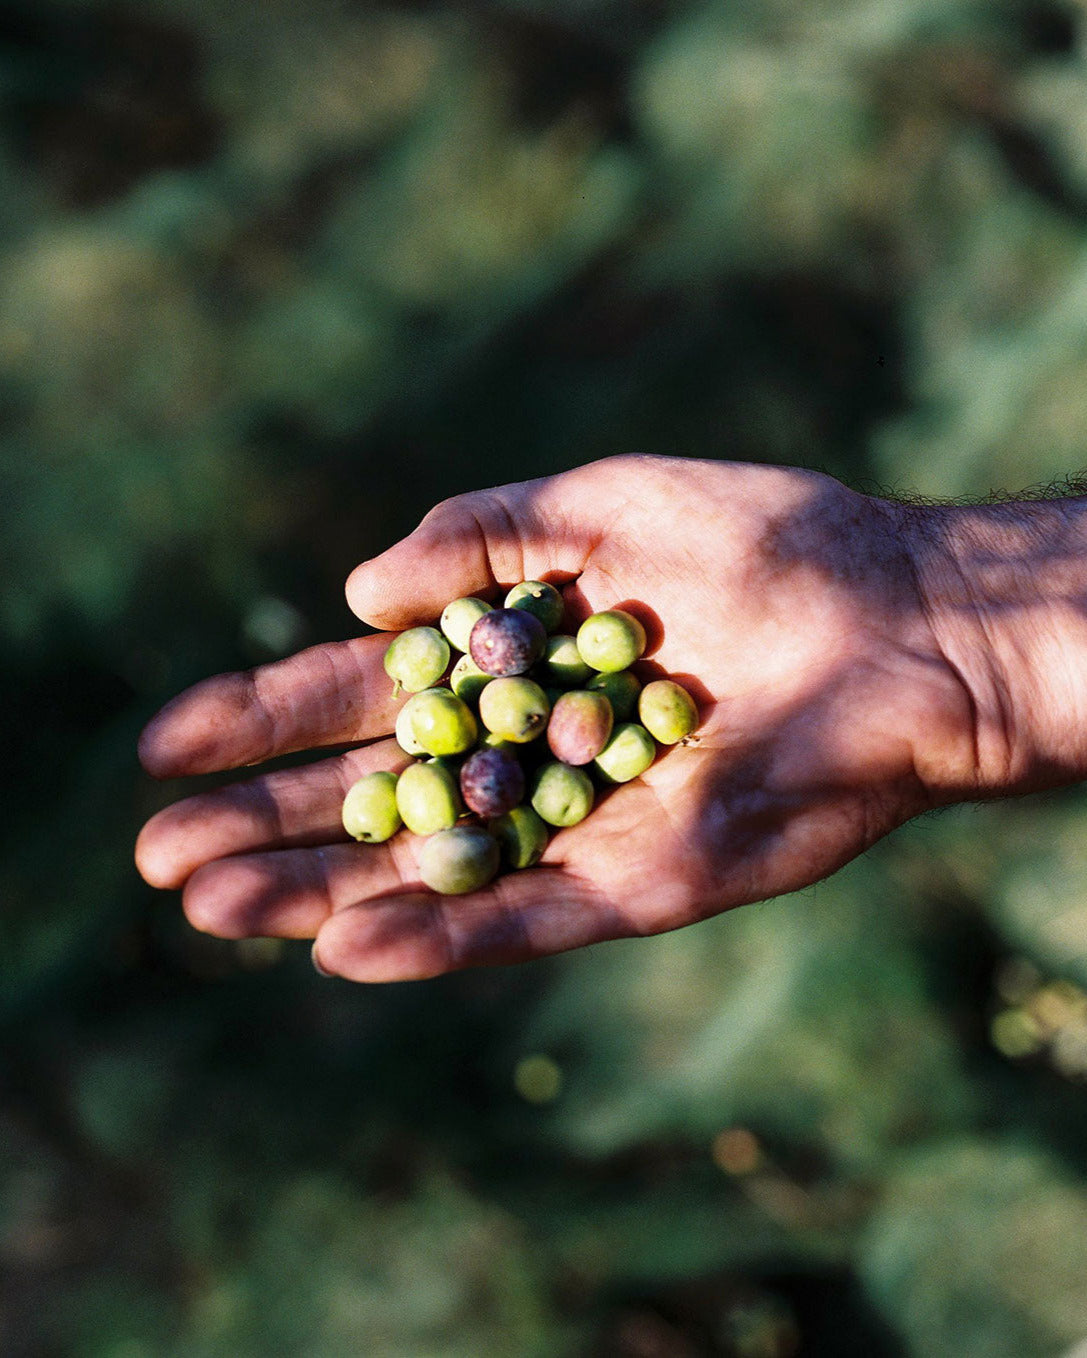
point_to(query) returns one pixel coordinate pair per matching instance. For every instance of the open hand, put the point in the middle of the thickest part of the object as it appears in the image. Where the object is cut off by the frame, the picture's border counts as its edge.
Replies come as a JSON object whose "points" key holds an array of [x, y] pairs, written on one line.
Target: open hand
{"points": [[784, 601]]}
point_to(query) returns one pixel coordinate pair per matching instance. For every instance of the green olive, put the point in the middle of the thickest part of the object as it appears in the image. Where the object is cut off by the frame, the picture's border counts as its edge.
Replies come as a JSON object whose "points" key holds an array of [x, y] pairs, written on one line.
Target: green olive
{"points": [[369, 810]]}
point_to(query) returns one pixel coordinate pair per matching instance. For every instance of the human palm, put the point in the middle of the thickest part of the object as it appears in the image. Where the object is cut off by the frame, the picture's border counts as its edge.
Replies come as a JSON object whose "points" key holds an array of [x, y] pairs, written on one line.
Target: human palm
{"points": [[786, 602]]}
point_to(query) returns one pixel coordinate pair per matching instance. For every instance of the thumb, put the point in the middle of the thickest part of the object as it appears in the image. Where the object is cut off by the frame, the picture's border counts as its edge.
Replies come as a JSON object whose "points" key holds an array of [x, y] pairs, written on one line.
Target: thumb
{"points": [[471, 544]]}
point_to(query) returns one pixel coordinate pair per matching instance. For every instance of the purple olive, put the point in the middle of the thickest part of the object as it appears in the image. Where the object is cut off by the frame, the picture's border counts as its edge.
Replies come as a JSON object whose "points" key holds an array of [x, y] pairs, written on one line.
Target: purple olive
{"points": [[492, 782], [507, 641], [579, 727]]}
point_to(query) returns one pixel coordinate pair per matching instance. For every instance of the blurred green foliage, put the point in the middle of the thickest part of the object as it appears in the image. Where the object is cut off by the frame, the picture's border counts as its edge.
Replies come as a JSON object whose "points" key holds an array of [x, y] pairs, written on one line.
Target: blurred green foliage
{"points": [[273, 279]]}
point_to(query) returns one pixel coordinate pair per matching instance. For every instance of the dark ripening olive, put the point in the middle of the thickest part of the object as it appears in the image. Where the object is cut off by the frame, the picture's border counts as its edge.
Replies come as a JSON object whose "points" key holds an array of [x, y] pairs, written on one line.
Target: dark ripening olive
{"points": [[492, 782], [507, 641], [579, 727]]}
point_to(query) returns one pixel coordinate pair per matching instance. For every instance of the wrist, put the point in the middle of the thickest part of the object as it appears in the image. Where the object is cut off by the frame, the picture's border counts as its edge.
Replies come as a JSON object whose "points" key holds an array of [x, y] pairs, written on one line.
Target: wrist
{"points": [[1004, 590]]}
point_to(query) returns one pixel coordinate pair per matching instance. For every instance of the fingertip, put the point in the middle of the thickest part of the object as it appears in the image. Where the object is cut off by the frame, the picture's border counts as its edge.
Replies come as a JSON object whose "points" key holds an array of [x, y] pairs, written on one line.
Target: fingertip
{"points": [[370, 597], [183, 736], [263, 895], [318, 967], [154, 862], [153, 754], [188, 735], [206, 903], [227, 897]]}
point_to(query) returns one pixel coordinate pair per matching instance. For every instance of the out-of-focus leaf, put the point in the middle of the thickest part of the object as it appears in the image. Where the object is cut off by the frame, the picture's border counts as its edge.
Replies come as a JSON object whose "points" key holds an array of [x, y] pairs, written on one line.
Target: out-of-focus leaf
{"points": [[326, 1270], [795, 1017], [979, 1250], [1041, 900]]}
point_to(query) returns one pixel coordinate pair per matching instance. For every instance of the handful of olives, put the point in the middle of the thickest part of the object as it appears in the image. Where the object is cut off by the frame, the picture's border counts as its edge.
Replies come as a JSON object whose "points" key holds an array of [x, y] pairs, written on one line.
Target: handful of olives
{"points": [[505, 752]]}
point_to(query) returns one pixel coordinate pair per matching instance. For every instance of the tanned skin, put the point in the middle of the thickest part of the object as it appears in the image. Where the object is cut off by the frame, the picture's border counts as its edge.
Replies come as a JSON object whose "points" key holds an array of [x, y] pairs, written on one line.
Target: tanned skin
{"points": [[856, 661]]}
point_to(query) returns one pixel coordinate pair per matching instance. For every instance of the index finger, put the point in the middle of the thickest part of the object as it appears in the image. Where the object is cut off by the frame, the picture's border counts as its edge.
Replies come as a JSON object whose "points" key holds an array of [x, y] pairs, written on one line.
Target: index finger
{"points": [[334, 694]]}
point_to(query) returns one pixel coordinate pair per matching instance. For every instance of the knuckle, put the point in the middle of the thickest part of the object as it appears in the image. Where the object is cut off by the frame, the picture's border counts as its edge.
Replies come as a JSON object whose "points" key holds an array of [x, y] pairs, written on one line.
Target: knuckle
{"points": [[455, 507]]}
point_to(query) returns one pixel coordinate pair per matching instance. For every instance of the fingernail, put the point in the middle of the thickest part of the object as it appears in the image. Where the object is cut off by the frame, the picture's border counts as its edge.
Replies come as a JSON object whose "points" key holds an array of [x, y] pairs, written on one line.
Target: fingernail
{"points": [[316, 964]]}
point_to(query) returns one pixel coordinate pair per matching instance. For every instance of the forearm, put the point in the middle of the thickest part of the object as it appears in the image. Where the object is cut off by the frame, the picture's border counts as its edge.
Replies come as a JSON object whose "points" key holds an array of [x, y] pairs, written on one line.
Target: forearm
{"points": [[1004, 589]]}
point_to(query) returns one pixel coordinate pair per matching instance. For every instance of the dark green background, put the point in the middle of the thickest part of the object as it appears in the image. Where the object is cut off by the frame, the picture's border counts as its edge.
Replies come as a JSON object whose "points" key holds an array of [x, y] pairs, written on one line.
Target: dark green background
{"points": [[274, 278]]}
